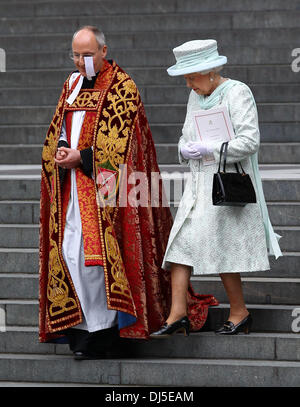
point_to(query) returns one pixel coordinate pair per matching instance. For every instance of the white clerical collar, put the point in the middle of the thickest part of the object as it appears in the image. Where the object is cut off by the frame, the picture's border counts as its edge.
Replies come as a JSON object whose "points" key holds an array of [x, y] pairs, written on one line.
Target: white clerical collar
{"points": [[90, 72]]}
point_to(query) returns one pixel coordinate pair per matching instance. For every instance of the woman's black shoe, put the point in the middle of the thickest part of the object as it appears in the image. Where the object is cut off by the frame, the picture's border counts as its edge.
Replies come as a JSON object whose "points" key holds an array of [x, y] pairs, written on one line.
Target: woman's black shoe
{"points": [[182, 325], [230, 329]]}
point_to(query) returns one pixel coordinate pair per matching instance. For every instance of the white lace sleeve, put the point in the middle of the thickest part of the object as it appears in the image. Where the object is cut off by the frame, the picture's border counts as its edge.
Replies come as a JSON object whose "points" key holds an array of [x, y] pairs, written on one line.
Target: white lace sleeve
{"points": [[243, 114], [185, 132]]}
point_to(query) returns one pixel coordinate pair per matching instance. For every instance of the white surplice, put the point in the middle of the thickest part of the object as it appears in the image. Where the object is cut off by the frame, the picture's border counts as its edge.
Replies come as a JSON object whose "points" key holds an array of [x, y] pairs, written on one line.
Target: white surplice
{"points": [[88, 281]]}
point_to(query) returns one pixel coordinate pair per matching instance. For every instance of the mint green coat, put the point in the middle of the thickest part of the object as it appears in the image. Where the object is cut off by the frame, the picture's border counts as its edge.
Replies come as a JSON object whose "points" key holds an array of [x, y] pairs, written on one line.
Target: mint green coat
{"points": [[222, 239]]}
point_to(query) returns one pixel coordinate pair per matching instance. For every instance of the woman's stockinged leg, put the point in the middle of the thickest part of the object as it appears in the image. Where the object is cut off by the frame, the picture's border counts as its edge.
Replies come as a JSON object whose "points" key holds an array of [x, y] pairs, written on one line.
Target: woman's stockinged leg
{"points": [[180, 277], [233, 287]]}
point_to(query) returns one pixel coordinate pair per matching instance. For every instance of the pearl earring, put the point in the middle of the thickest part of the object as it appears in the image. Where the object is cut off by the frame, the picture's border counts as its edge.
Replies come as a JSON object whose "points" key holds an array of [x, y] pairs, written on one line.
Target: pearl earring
{"points": [[211, 79]]}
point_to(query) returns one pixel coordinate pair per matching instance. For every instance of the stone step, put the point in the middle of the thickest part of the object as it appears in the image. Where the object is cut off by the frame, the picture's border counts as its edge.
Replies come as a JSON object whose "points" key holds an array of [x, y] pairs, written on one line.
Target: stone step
{"points": [[21, 212], [168, 95], [158, 22], [57, 368], [6, 384], [237, 55], [22, 236], [20, 189], [27, 8], [257, 290], [150, 372], [250, 74], [26, 134], [165, 133], [206, 345], [20, 154], [281, 214], [23, 313], [158, 114], [263, 93], [16, 260], [235, 37], [22, 260], [149, 75], [286, 266], [26, 236], [280, 182], [27, 287], [270, 153], [27, 212], [161, 133], [267, 112]]}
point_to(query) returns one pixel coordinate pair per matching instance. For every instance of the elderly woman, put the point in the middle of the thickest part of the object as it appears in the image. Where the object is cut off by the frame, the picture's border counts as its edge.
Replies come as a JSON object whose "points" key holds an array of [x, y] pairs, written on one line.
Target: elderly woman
{"points": [[207, 239]]}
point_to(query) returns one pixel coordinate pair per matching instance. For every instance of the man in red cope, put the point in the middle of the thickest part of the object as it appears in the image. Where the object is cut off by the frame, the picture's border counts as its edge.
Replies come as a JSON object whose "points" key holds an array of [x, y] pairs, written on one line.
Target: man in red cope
{"points": [[100, 261]]}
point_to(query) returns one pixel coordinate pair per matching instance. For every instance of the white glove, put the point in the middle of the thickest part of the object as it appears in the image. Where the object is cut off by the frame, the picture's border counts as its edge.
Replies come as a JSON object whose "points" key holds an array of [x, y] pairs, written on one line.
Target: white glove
{"points": [[187, 152], [200, 147], [194, 150]]}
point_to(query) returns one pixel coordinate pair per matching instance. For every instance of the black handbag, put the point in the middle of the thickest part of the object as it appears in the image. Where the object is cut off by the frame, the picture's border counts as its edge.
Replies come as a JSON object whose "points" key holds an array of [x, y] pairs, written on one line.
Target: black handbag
{"points": [[232, 188]]}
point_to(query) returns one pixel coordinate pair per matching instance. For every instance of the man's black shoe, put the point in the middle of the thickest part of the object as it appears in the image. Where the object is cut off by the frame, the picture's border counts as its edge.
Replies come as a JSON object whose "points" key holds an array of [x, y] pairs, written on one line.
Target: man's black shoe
{"points": [[78, 355]]}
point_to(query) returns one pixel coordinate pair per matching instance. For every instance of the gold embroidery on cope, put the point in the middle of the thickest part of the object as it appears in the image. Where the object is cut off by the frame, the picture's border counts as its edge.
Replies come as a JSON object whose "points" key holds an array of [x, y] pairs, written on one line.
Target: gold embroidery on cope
{"points": [[111, 145], [57, 289], [87, 99], [113, 133], [51, 140], [120, 286]]}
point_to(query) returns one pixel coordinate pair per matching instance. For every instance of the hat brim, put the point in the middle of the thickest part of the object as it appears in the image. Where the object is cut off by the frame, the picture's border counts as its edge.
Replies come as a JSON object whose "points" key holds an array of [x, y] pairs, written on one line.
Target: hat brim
{"points": [[174, 70]]}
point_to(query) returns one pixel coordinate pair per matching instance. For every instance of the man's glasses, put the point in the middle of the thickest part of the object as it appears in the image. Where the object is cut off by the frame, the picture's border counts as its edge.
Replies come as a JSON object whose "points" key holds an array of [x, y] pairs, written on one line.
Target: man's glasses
{"points": [[76, 57]]}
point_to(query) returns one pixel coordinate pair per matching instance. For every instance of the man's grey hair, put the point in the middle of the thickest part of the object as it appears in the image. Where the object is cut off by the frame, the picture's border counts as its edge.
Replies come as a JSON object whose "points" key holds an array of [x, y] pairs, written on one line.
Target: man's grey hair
{"points": [[100, 38]]}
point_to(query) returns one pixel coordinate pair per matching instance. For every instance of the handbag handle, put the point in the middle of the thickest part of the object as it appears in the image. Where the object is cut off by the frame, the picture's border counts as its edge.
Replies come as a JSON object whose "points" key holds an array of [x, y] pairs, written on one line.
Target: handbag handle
{"points": [[223, 150]]}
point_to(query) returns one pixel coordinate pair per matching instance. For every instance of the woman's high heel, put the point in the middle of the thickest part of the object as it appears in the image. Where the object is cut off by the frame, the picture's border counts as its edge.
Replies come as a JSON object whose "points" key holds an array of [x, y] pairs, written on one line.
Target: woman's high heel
{"points": [[230, 329], [182, 325]]}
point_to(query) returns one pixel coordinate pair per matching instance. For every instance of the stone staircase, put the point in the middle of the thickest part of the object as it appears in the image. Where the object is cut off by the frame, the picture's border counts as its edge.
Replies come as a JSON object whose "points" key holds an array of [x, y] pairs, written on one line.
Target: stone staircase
{"points": [[258, 39]]}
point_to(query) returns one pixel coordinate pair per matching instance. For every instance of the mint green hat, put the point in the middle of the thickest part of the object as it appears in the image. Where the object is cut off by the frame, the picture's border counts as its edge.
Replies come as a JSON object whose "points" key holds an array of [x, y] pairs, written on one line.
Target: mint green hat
{"points": [[196, 56]]}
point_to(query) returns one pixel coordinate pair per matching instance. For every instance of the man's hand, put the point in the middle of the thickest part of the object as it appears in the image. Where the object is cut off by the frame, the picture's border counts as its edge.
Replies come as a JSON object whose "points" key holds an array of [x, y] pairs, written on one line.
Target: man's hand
{"points": [[67, 157], [60, 155]]}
